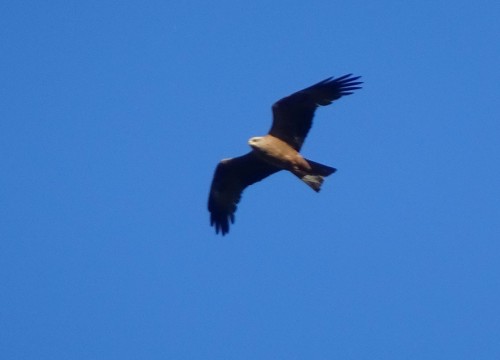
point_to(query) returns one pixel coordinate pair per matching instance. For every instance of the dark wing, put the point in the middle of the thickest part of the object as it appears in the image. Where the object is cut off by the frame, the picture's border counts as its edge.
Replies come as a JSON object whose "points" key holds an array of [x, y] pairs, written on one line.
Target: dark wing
{"points": [[231, 177], [293, 115]]}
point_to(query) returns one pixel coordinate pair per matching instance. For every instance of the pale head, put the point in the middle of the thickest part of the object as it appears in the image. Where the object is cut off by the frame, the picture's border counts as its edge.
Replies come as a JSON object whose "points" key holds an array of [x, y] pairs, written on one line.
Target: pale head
{"points": [[255, 141]]}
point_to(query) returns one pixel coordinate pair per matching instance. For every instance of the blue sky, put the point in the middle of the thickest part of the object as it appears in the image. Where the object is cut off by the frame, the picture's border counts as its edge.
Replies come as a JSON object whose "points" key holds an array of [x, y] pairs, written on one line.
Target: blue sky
{"points": [[115, 114]]}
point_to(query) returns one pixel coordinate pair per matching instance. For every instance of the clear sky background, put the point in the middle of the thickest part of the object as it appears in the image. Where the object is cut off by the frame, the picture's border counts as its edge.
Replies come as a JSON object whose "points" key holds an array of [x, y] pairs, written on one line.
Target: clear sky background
{"points": [[114, 114]]}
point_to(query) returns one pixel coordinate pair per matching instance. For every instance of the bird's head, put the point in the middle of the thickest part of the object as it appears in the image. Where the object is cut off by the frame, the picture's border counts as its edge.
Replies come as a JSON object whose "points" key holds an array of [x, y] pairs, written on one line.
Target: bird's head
{"points": [[255, 141]]}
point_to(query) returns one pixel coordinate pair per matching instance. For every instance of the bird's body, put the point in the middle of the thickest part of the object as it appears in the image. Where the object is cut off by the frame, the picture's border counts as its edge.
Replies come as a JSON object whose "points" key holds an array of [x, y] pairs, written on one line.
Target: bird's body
{"points": [[276, 151]]}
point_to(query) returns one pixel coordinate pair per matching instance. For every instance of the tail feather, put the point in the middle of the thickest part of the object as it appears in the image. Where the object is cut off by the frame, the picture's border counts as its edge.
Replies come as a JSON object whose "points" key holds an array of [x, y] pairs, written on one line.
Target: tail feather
{"points": [[320, 169], [316, 176]]}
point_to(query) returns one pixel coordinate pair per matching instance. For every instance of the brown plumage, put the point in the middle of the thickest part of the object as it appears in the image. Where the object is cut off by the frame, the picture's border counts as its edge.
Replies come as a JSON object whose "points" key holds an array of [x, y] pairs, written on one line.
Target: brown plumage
{"points": [[276, 151]]}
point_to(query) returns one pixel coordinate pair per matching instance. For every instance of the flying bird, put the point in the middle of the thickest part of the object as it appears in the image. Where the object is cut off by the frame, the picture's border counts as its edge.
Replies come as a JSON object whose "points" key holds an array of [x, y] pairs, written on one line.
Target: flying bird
{"points": [[276, 151]]}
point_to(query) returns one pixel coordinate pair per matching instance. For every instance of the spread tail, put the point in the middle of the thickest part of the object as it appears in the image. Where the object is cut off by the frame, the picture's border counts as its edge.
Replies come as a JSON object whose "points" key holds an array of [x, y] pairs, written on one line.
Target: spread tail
{"points": [[316, 176]]}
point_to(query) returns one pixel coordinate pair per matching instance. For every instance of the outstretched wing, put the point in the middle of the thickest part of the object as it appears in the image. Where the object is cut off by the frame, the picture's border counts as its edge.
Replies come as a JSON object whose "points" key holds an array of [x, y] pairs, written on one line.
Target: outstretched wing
{"points": [[231, 177], [293, 115]]}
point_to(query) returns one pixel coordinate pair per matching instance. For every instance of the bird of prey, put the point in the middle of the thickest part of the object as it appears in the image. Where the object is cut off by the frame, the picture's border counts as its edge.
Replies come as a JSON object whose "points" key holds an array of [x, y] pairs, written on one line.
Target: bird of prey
{"points": [[276, 151]]}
